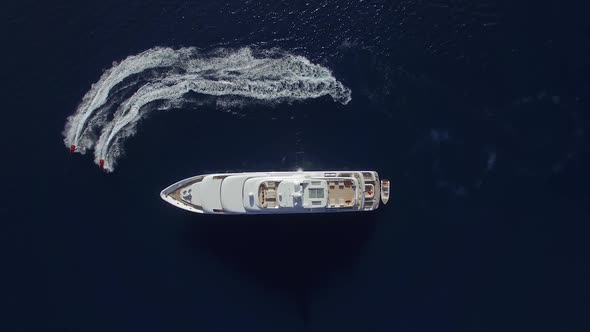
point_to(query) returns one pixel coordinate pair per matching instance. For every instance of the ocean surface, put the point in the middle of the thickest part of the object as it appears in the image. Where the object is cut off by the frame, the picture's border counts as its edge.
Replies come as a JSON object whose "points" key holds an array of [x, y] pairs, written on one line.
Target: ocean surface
{"points": [[476, 111]]}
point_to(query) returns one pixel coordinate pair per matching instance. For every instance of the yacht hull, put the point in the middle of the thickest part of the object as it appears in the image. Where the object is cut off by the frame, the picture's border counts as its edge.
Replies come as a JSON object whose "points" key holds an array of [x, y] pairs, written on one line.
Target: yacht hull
{"points": [[276, 192]]}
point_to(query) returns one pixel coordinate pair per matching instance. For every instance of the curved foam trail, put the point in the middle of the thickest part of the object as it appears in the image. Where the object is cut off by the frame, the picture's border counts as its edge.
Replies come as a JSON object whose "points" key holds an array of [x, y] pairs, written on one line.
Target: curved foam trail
{"points": [[86, 116], [268, 76]]}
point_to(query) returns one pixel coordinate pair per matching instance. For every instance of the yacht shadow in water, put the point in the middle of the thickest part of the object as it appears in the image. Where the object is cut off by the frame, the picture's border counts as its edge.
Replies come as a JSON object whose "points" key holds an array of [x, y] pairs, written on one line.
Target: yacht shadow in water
{"points": [[294, 254]]}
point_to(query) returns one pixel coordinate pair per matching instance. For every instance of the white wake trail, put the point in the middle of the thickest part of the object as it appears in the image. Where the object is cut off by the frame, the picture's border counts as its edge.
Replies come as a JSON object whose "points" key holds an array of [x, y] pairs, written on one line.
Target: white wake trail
{"points": [[267, 76], [90, 113]]}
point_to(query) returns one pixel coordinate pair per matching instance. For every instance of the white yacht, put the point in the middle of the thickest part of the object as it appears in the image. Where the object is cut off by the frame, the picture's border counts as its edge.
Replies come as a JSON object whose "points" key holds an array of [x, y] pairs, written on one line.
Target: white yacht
{"points": [[279, 192]]}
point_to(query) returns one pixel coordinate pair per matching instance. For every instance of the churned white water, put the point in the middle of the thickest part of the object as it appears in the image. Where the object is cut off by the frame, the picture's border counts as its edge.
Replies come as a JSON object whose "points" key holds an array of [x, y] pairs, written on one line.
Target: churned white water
{"points": [[104, 119]]}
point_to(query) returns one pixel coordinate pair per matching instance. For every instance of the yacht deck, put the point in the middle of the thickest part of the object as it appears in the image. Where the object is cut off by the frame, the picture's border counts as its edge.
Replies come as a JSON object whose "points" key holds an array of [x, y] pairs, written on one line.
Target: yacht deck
{"points": [[341, 193]]}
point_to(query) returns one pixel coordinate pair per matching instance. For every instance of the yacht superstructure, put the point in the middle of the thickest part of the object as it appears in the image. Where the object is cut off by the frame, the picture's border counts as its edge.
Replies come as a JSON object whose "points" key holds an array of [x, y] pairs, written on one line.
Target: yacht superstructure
{"points": [[278, 192]]}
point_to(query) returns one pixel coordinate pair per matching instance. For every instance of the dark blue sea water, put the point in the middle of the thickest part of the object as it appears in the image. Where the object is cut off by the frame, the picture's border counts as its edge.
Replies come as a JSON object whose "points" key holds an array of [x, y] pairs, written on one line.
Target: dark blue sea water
{"points": [[476, 111]]}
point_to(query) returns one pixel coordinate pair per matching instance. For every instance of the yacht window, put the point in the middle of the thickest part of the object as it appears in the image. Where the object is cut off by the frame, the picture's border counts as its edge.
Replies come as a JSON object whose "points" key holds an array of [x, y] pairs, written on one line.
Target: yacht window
{"points": [[316, 193]]}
